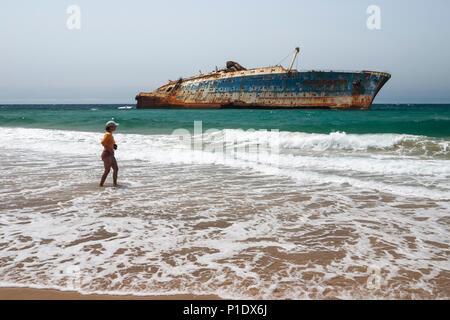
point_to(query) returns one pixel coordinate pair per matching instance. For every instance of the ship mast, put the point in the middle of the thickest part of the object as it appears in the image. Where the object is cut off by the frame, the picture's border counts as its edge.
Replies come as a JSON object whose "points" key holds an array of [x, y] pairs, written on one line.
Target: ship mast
{"points": [[293, 58]]}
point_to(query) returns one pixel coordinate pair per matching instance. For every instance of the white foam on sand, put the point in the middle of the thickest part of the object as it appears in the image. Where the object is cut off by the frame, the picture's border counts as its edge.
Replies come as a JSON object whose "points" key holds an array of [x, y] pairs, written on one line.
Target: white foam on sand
{"points": [[243, 226]]}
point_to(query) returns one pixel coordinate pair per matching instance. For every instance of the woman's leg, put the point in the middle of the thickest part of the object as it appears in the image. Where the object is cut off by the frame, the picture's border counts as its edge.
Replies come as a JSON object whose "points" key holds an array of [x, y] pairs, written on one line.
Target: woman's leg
{"points": [[116, 170], [107, 163]]}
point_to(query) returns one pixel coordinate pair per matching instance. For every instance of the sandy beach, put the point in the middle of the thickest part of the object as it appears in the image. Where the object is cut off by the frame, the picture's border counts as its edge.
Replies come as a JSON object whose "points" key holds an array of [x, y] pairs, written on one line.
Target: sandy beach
{"points": [[47, 294]]}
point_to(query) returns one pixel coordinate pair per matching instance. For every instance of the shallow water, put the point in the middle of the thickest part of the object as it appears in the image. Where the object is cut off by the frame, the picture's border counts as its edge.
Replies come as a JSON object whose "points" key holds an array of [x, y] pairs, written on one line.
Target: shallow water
{"points": [[320, 215]]}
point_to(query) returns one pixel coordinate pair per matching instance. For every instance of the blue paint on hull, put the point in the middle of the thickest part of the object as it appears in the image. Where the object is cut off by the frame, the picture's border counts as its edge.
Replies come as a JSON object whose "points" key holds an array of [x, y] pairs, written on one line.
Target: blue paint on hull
{"points": [[320, 83]]}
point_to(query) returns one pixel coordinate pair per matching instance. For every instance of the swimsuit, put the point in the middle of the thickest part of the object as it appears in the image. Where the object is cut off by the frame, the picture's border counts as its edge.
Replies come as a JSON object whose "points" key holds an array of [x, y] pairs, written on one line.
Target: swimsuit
{"points": [[106, 154]]}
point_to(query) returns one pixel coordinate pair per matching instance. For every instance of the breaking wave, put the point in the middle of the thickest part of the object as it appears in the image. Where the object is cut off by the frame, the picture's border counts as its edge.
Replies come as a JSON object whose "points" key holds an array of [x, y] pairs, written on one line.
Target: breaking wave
{"points": [[400, 144]]}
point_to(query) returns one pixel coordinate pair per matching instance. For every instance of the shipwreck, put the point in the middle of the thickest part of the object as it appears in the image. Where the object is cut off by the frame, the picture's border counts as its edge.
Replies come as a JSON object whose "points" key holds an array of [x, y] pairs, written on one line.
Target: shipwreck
{"points": [[268, 88]]}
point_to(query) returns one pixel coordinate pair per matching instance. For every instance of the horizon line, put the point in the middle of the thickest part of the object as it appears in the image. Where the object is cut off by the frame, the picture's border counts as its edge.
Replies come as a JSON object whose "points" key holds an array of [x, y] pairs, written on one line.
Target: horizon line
{"points": [[124, 103]]}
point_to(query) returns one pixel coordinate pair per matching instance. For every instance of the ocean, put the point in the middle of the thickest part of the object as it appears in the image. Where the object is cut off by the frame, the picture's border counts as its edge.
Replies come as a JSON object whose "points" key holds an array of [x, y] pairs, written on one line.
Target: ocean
{"points": [[243, 204]]}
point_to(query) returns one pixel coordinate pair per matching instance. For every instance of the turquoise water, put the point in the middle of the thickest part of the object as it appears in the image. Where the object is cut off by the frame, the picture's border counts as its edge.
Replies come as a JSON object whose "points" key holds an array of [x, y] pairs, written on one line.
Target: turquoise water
{"points": [[425, 120]]}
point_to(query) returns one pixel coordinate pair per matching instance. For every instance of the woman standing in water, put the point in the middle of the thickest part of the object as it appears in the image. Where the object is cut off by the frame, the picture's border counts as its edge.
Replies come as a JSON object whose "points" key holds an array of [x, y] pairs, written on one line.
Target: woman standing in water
{"points": [[108, 152]]}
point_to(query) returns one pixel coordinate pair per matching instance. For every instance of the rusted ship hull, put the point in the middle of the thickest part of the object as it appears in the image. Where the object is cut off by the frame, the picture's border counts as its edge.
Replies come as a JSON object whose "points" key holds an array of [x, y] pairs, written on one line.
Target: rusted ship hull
{"points": [[268, 88]]}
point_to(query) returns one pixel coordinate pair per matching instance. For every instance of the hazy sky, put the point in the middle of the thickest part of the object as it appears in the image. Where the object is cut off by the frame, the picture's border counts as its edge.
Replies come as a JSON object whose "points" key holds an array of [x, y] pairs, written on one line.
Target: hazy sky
{"points": [[124, 47]]}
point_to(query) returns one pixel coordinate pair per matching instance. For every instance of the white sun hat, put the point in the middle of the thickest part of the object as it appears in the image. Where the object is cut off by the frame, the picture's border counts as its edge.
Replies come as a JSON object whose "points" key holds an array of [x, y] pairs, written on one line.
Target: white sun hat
{"points": [[111, 123]]}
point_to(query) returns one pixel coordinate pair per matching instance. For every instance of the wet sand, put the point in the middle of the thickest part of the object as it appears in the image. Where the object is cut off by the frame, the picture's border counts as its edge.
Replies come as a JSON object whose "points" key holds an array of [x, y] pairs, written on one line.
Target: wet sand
{"points": [[47, 294]]}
